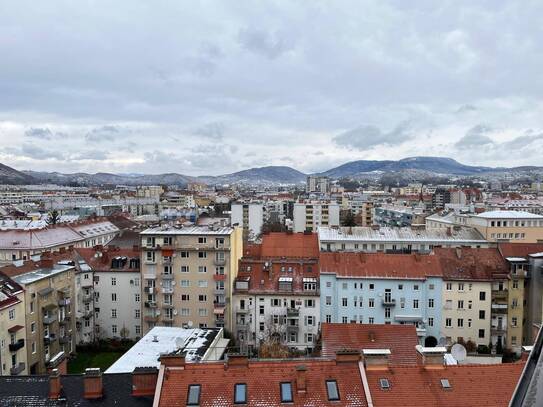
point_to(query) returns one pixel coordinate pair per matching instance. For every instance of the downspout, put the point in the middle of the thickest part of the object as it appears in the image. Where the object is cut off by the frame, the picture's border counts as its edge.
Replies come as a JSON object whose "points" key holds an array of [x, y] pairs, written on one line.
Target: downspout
{"points": [[364, 383], [158, 389]]}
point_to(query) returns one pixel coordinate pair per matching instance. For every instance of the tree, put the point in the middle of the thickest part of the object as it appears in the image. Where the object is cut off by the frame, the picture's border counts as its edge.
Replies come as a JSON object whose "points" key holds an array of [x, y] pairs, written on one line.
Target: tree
{"points": [[270, 226], [125, 332], [349, 219], [53, 218]]}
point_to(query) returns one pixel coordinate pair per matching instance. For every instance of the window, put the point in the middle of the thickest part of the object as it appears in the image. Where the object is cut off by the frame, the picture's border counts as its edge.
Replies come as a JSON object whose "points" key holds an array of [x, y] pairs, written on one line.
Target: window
{"points": [[184, 269], [137, 313], [371, 303], [445, 384], [113, 313], [400, 286], [138, 329], [202, 240], [11, 314], [515, 284], [384, 383], [286, 393], [469, 323], [114, 297], [193, 396], [460, 323], [114, 329], [185, 312], [202, 255], [185, 297], [481, 333], [416, 287], [113, 281], [461, 304], [344, 320], [460, 286], [33, 347], [185, 283], [185, 254], [514, 321], [328, 284], [448, 322], [137, 297], [240, 393], [202, 297], [345, 286], [415, 304], [371, 320], [328, 300], [387, 312], [202, 269], [430, 303], [344, 302], [328, 318], [449, 287], [310, 303], [372, 286], [481, 314], [482, 296], [332, 390], [430, 321]]}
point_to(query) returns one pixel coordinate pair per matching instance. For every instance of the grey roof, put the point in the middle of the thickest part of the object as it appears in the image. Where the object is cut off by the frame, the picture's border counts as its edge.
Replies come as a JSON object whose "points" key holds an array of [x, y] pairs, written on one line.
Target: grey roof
{"points": [[508, 215], [35, 275], [190, 230], [395, 234], [33, 391]]}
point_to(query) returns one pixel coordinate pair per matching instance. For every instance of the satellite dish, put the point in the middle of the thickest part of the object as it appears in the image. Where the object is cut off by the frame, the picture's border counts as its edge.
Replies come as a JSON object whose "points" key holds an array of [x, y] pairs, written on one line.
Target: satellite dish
{"points": [[190, 324], [458, 351], [442, 341]]}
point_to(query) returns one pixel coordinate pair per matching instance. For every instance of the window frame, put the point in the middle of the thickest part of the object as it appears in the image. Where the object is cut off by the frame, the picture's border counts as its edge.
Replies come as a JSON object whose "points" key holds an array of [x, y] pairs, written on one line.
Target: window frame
{"points": [[283, 399], [337, 396], [236, 401], [197, 388]]}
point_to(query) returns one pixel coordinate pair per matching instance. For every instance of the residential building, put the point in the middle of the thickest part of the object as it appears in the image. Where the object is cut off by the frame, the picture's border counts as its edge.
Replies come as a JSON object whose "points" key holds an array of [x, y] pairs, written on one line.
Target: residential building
{"points": [[396, 240], [316, 183], [512, 226], [377, 288], [13, 355], [187, 275], [468, 314], [50, 323], [276, 293], [397, 216], [116, 297], [249, 216], [309, 216], [441, 197]]}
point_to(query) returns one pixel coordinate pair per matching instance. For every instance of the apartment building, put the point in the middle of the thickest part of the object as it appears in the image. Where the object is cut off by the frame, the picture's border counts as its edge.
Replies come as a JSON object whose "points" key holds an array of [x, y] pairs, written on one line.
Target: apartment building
{"points": [[317, 184], [309, 216], [84, 302], [115, 297], [377, 288], [512, 226], [468, 313], [188, 274], [49, 323], [276, 292], [249, 216], [397, 216], [13, 355], [396, 240]]}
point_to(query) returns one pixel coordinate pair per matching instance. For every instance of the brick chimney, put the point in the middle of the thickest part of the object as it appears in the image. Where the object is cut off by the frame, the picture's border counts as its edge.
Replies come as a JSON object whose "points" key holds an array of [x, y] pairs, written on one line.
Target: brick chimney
{"points": [[301, 379], [376, 359], [46, 261], [432, 358], [92, 384], [144, 381], [347, 356], [173, 360], [55, 387], [236, 359]]}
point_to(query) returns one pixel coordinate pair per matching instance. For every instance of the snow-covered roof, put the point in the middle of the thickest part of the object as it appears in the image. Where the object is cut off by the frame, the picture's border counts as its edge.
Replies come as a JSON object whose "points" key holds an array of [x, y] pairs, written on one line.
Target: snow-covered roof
{"points": [[508, 215], [197, 344], [41, 273], [190, 230]]}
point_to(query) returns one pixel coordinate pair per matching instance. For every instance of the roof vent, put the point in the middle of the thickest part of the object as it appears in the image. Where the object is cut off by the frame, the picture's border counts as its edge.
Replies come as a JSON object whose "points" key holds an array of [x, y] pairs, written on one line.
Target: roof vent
{"points": [[385, 384], [155, 338]]}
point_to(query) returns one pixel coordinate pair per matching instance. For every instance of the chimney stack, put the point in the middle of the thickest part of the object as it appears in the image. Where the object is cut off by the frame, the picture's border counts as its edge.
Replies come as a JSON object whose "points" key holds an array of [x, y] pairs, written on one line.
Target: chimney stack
{"points": [[432, 358], [173, 360], [55, 387], [236, 359], [347, 356], [301, 373], [376, 359], [92, 384], [144, 381]]}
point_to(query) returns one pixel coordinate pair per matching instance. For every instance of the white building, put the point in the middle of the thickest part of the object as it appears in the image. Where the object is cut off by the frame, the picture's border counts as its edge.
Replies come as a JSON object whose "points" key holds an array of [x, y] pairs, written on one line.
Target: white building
{"points": [[317, 184], [311, 215], [249, 216]]}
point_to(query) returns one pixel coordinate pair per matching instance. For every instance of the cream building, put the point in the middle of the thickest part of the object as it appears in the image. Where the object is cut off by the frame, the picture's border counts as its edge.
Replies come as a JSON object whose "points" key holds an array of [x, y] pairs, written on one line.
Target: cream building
{"points": [[12, 333], [513, 226], [311, 215], [188, 274]]}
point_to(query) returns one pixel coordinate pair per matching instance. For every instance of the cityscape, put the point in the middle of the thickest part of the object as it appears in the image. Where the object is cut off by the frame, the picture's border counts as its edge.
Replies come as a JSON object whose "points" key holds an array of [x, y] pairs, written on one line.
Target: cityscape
{"points": [[271, 204]]}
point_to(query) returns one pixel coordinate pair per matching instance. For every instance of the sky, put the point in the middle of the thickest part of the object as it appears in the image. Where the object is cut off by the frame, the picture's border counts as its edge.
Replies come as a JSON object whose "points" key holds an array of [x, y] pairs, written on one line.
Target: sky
{"points": [[213, 87]]}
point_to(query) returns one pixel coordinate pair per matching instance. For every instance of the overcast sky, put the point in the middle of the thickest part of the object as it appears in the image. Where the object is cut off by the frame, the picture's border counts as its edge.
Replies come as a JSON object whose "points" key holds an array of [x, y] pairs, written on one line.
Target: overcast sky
{"points": [[215, 87]]}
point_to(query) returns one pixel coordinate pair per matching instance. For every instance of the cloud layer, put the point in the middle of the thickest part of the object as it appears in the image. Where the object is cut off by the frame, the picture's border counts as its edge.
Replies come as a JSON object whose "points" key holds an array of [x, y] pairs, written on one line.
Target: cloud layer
{"points": [[207, 88]]}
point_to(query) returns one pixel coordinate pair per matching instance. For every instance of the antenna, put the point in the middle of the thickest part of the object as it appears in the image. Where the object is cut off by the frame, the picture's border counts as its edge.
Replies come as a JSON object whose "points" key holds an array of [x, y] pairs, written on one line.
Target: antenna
{"points": [[458, 351]]}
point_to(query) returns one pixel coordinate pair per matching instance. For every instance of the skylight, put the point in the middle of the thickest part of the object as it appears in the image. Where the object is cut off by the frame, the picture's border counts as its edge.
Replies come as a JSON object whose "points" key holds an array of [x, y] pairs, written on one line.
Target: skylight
{"points": [[332, 390], [286, 393], [385, 385], [193, 398], [445, 383], [240, 393]]}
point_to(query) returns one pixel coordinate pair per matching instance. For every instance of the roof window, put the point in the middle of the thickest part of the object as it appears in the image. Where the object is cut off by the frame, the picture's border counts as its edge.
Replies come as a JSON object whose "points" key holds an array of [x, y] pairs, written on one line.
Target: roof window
{"points": [[445, 383], [286, 392], [385, 384], [240, 393], [332, 390], [193, 398]]}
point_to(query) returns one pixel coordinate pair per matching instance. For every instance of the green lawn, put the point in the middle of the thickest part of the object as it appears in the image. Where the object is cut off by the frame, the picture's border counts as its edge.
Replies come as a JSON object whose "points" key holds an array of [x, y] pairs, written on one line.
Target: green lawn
{"points": [[86, 359]]}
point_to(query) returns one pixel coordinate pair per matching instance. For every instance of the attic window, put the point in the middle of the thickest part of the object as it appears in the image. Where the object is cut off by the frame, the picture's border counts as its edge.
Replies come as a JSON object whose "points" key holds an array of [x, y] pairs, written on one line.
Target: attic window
{"points": [[286, 392], [240, 393], [193, 397], [385, 385], [445, 383], [332, 390]]}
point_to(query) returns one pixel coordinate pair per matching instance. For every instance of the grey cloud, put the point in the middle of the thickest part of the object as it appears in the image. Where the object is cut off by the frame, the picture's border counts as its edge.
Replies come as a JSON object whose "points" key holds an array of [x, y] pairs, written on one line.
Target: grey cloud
{"points": [[103, 133], [466, 109], [522, 141], [38, 153], [369, 136], [263, 43], [97, 155], [213, 131], [475, 137], [42, 133]]}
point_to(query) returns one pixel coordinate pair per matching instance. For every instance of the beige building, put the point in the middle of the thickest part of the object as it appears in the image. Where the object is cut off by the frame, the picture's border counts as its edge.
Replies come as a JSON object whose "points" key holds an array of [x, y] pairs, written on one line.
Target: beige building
{"points": [[12, 333], [188, 275], [49, 323], [512, 226]]}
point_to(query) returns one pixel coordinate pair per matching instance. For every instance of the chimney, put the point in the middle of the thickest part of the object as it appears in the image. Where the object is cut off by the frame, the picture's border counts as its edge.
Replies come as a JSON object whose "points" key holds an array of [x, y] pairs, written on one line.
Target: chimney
{"points": [[173, 360], [236, 359], [432, 358], [526, 350], [301, 373], [347, 356], [144, 381], [376, 359], [92, 384], [55, 387], [371, 336], [46, 261]]}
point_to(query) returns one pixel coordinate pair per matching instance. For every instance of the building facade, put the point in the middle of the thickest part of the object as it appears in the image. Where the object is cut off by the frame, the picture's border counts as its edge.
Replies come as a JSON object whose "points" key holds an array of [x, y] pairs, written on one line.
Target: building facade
{"points": [[310, 216], [13, 354]]}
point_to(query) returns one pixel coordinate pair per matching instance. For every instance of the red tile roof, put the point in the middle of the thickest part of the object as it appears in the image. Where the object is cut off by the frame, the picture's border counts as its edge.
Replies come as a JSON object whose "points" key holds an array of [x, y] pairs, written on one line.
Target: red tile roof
{"points": [[263, 378], [468, 263], [107, 254], [519, 249], [409, 266], [291, 245], [400, 339], [471, 385], [48, 259]]}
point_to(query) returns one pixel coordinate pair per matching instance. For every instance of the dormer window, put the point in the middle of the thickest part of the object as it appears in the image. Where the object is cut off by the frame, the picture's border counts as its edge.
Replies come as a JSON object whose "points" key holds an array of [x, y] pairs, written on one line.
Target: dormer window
{"points": [[286, 392], [240, 393], [332, 390], [193, 397]]}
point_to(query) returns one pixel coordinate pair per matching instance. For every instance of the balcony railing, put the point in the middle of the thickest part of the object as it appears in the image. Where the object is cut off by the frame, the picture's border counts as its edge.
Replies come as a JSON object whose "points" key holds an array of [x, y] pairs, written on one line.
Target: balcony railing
{"points": [[389, 302], [292, 328], [219, 277], [150, 318], [64, 302], [167, 290], [87, 298], [498, 329], [49, 319], [148, 290], [219, 262], [293, 312], [499, 295], [150, 304], [219, 304], [14, 347], [48, 339], [218, 291], [167, 276], [18, 368]]}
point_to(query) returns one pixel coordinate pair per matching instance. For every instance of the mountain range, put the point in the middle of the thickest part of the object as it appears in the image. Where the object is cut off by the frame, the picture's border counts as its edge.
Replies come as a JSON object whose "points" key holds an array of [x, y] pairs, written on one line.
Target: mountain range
{"points": [[420, 166]]}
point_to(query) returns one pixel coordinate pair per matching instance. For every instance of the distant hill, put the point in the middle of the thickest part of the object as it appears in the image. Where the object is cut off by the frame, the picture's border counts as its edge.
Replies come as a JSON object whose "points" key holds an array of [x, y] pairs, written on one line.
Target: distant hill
{"points": [[270, 174], [437, 165], [9, 175]]}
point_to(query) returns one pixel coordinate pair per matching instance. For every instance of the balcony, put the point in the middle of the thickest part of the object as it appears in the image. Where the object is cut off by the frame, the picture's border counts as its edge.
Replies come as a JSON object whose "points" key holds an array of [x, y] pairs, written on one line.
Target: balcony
{"points": [[14, 347], [87, 283], [167, 318], [219, 277], [219, 304], [242, 325], [149, 290], [498, 330], [499, 308], [87, 298], [64, 320], [389, 302], [167, 305], [218, 291], [49, 319], [166, 260], [499, 295], [167, 290], [219, 322], [18, 368], [242, 310], [65, 339], [292, 328], [64, 302], [167, 276], [150, 318], [49, 339], [150, 304], [293, 312], [421, 331], [219, 262]]}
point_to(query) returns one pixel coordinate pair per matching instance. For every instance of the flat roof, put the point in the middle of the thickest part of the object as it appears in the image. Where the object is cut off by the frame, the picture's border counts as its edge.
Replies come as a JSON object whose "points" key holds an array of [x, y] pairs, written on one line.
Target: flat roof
{"points": [[35, 275], [508, 215], [195, 342], [190, 230]]}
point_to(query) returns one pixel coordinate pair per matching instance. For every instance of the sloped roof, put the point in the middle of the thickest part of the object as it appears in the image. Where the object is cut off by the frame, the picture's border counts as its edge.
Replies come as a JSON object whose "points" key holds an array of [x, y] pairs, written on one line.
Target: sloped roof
{"points": [[291, 245], [468, 263], [520, 249], [399, 339]]}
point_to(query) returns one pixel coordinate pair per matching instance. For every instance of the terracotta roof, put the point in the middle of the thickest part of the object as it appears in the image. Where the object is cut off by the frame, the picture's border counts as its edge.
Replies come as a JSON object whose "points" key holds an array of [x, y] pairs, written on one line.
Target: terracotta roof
{"points": [[468, 263], [399, 339], [277, 244], [108, 255], [48, 259], [519, 249], [409, 266], [470, 385], [263, 379]]}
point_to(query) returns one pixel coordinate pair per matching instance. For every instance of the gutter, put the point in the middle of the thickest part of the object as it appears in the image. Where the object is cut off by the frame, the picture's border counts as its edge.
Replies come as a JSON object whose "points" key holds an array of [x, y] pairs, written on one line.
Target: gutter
{"points": [[365, 384]]}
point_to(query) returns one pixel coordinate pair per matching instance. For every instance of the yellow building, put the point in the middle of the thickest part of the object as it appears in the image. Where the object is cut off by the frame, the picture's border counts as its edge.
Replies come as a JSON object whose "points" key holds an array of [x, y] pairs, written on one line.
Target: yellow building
{"points": [[13, 360], [509, 226]]}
